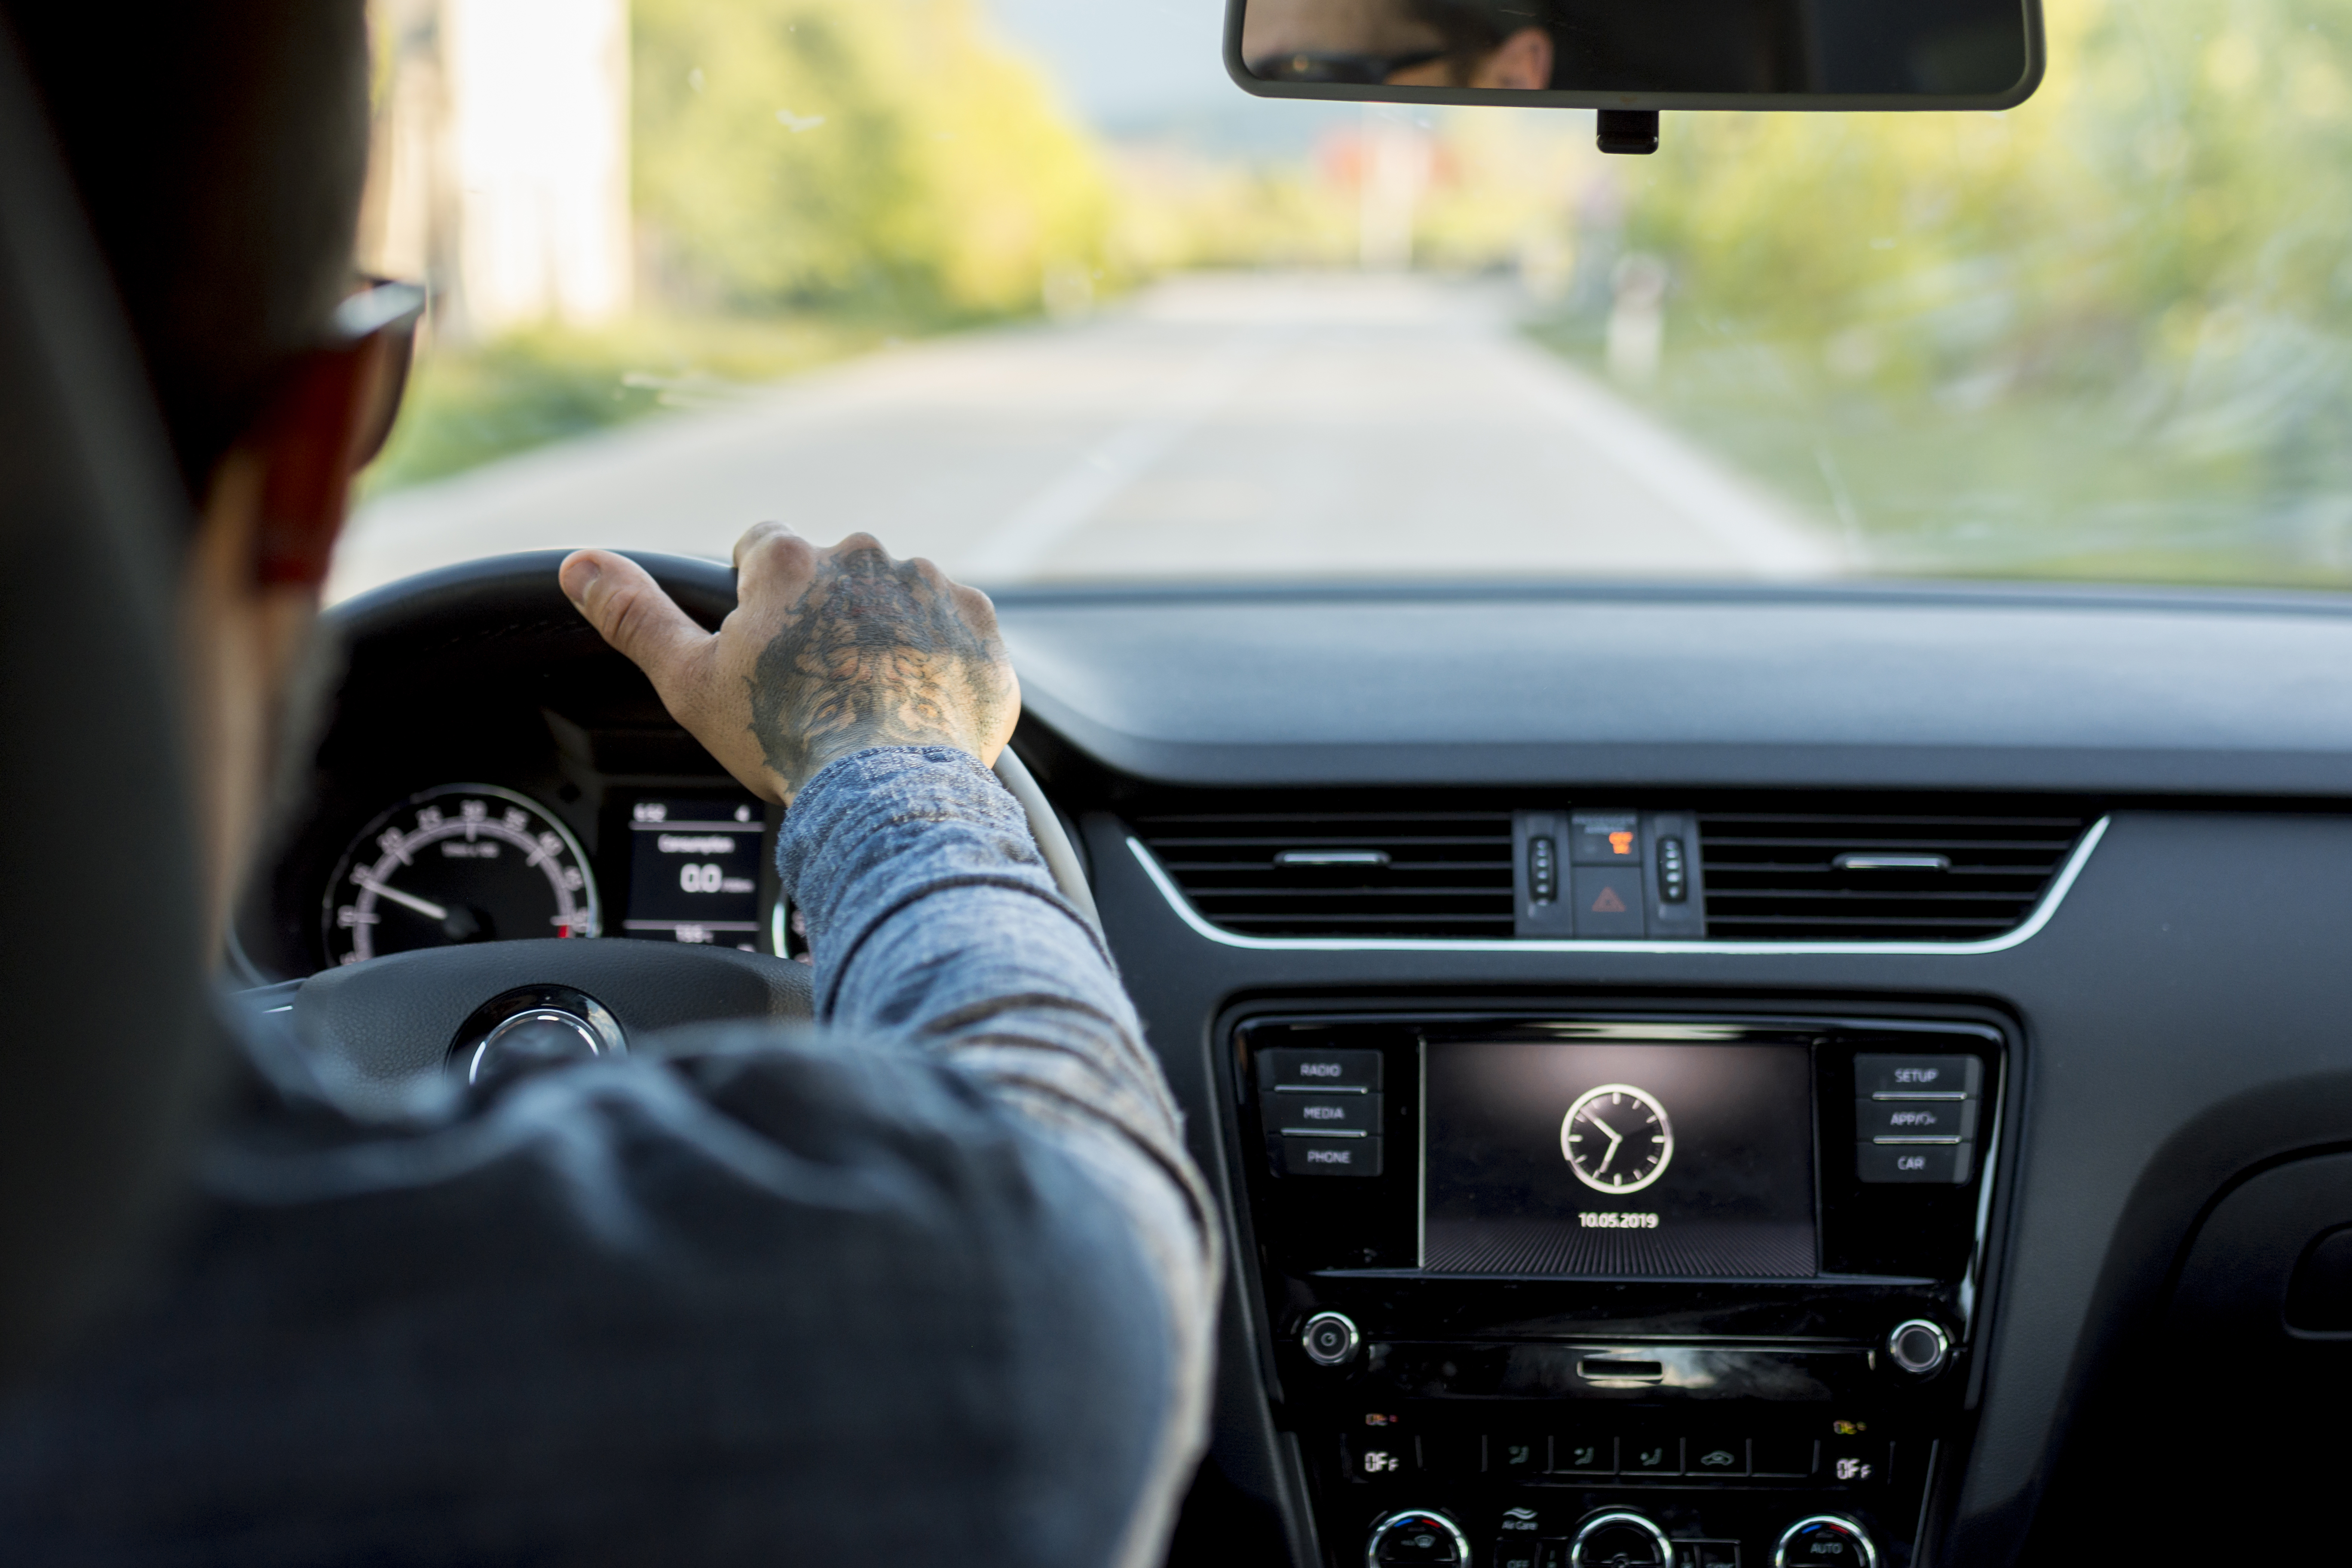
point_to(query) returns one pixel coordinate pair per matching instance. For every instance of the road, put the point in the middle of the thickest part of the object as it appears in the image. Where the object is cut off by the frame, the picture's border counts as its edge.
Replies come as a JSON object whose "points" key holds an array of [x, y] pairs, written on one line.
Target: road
{"points": [[1216, 427]]}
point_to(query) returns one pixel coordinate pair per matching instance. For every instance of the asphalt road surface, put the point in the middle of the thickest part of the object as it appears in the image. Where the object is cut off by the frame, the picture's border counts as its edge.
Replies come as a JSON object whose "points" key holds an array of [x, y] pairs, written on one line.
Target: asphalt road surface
{"points": [[1227, 425]]}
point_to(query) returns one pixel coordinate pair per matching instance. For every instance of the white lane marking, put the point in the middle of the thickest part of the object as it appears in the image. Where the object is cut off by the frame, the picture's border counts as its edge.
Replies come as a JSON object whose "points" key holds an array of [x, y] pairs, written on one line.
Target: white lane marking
{"points": [[1015, 545], [1687, 480]]}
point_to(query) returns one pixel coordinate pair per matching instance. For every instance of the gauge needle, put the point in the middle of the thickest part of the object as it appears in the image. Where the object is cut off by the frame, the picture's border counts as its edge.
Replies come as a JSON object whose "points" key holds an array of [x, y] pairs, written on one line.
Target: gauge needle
{"points": [[426, 907], [1615, 1138]]}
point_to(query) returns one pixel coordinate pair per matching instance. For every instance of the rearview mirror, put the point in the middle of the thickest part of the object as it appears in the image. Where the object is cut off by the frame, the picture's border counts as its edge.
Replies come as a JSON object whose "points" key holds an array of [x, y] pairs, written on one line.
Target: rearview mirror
{"points": [[1641, 56]]}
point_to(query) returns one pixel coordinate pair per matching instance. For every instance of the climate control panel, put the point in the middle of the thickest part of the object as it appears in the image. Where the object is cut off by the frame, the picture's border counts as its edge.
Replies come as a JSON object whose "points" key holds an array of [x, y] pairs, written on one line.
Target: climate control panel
{"points": [[1609, 1538]]}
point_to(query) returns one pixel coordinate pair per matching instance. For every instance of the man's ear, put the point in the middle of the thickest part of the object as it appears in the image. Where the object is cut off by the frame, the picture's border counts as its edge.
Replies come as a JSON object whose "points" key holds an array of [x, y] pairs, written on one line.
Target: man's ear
{"points": [[305, 442]]}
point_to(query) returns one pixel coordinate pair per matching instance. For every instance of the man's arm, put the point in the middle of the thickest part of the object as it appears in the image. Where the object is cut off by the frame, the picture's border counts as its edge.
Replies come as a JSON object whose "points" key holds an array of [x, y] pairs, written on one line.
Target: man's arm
{"points": [[871, 694]]}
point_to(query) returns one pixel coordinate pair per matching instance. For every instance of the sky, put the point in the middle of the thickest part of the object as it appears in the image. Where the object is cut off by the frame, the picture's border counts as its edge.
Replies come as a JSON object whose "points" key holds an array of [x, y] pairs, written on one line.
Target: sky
{"points": [[1150, 67]]}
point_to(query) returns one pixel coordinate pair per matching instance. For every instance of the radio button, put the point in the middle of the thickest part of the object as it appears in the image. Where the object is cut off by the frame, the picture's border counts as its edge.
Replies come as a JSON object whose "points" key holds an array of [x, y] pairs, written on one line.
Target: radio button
{"points": [[1916, 1118], [1324, 1113], [1948, 1077], [1331, 1157], [1945, 1162], [1295, 1068]]}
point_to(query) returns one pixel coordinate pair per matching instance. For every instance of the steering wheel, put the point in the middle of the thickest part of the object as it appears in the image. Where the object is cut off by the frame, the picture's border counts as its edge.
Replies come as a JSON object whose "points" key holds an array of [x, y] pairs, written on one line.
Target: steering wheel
{"points": [[382, 1027]]}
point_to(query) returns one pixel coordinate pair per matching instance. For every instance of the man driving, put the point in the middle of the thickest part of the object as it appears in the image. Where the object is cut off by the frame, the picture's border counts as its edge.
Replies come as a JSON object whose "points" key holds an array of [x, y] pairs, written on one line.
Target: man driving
{"points": [[933, 1283]]}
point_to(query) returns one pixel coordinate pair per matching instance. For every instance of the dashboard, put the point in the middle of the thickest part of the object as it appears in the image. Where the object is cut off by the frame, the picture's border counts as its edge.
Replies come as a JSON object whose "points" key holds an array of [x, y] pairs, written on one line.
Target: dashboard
{"points": [[1696, 1077]]}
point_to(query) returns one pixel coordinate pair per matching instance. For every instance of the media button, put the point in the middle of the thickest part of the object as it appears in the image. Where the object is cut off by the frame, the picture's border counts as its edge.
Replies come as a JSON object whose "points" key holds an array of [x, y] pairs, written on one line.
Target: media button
{"points": [[1294, 1069], [1944, 1077], [1885, 1119], [1313, 1114], [1331, 1157], [1932, 1162]]}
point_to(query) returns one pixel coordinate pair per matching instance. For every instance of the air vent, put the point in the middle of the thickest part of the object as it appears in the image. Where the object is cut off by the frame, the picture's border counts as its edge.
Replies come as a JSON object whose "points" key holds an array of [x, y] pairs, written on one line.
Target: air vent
{"points": [[1395, 874], [1795, 876]]}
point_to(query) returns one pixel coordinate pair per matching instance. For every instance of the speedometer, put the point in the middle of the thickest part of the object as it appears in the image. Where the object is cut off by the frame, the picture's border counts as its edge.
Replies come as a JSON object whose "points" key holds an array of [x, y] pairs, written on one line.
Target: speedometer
{"points": [[458, 864]]}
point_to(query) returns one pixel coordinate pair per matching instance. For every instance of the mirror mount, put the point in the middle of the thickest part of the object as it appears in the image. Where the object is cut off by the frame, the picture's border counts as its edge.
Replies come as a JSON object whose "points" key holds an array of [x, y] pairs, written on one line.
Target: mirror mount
{"points": [[1631, 130]]}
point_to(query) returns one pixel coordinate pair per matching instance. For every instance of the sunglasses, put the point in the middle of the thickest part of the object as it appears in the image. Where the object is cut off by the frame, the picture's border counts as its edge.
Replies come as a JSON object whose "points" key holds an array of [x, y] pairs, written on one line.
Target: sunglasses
{"points": [[387, 312], [1329, 66], [373, 333]]}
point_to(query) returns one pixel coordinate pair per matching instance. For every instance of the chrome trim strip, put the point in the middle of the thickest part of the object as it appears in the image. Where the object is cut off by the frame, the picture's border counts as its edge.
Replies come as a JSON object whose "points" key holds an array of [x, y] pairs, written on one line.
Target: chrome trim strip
{"points": [[2032, 926]]}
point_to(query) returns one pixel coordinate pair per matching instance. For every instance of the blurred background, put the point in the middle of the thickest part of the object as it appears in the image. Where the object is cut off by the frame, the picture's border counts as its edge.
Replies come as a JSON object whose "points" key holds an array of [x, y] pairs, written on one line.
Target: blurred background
{"points": [[1030, 285]]}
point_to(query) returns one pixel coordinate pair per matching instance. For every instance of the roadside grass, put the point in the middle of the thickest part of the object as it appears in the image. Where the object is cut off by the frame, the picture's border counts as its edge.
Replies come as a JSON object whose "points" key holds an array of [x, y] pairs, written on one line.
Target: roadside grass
{"points": [[472, 403], [2105, 484]]}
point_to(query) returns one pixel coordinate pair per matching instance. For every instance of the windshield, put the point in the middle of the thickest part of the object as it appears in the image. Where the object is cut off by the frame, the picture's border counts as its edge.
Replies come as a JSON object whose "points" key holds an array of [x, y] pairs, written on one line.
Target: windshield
{"points": [[1030, 287]]}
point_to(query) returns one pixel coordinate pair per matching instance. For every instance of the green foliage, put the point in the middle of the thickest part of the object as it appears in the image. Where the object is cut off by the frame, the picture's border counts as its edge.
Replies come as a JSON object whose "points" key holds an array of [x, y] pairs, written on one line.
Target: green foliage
{"points": [[2108, 332], [885, 153]]}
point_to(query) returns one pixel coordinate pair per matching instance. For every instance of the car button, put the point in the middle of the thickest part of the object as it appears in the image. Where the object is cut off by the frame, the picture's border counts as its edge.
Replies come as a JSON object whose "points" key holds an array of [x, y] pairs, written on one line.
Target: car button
{"points": [[1951, 1078], [1295, 1068], [1945, 1162], [1325, 1113], [1916, 1118], [1331, 1157]]}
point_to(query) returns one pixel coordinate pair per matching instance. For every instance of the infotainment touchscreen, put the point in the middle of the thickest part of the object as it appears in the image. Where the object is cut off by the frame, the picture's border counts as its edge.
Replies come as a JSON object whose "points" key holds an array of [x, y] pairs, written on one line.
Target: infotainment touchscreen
{"points": [[1573, 1159]]}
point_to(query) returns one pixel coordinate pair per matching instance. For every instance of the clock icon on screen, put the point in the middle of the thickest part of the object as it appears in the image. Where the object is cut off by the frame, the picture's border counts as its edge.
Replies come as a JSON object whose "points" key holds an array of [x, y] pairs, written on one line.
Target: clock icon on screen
{"points": [[1617, 1138]]}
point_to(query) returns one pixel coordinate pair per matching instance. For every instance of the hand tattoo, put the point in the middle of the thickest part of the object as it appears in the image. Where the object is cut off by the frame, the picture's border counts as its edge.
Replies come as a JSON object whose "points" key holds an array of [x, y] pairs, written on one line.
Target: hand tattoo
{"points": [[873, 654]]}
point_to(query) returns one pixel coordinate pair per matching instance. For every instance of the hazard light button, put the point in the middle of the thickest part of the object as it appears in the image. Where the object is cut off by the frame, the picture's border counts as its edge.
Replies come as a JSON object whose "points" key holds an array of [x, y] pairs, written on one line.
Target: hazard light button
{"points": [[1608, 901]]}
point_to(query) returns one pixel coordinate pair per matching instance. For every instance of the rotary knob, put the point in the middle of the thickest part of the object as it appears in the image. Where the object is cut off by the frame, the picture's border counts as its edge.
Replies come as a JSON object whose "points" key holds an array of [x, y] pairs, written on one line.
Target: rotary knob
{"points": [[1919, 1347], [1417, 1535], [1329, 1339], [1620, 1538], [1828, 1539]]}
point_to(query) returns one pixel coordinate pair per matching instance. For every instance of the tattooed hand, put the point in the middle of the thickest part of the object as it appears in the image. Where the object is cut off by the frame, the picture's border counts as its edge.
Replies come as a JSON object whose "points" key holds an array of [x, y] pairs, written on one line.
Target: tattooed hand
{"points": [[828, 652]]}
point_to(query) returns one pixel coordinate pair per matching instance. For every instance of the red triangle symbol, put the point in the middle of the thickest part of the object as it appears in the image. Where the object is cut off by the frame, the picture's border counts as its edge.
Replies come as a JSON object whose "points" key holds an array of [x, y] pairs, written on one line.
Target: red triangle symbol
{"points": [[1608, 903]]}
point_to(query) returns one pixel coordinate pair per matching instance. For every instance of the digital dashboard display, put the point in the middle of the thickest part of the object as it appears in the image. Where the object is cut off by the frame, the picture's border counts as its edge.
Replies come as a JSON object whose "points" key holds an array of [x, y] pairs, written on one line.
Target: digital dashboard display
{"points": [[1578, 1161], [694, 871]]}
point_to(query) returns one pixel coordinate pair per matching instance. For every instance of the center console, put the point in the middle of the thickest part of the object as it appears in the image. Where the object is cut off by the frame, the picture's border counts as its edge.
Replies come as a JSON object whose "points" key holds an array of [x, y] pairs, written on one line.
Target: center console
{"points": [[1621, 1289]]}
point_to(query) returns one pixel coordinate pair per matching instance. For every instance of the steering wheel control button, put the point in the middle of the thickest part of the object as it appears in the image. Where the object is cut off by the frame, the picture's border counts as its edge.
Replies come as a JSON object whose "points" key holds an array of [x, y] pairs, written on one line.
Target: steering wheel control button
{"points": [[1828, 1538], [1329, 1339], [1292, 1070], [1416, 1535], [1919, 1347], [530, 1027], [1620, 1538]]}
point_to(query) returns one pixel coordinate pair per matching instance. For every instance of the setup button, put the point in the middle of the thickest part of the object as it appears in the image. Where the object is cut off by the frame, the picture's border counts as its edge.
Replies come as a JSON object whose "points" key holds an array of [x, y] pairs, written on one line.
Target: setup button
{"points": [[1331, 1157], [1942, 1078]]}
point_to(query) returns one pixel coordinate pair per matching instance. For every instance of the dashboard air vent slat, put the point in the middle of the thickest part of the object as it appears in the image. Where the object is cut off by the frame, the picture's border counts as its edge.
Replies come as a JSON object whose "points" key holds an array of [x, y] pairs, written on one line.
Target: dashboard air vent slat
{"points": [[1341, 873], [1799, 877]]}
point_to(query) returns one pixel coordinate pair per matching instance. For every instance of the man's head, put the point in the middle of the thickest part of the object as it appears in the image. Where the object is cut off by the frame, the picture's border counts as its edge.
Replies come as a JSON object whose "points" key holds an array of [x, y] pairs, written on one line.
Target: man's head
{"points": [[1491, 44], [219, 148]]}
